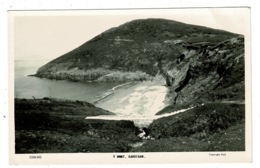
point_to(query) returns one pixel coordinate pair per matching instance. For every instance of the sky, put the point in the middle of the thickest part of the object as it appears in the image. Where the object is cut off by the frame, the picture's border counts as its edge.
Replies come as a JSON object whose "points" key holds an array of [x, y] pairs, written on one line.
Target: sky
{"points": [[48, 35]]}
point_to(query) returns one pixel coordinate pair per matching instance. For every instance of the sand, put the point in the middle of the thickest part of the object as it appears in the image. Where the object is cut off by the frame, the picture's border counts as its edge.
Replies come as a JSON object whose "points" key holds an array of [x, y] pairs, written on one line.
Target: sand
{"points": [[136, 100]]}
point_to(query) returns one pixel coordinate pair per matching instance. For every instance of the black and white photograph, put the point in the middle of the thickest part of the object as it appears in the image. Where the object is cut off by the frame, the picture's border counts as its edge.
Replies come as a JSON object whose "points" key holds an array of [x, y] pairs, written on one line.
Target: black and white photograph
{"points": [[130, 84]]}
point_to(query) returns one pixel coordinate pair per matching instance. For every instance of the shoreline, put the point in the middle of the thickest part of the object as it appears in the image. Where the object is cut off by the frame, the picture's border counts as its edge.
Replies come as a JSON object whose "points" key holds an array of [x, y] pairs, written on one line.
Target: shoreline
{"points": [[135, 100], [110, 92]]}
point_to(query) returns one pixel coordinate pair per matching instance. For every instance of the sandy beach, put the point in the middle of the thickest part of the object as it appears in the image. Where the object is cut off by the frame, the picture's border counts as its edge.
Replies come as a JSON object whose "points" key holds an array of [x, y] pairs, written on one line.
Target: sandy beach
{"points": [[141, 99]]}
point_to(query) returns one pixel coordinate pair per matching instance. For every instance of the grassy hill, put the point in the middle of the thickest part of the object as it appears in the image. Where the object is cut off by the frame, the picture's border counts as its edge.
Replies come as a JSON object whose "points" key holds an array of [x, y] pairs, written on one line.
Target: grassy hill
{"points": [[134, 46], [197, 63], [59, 126]]}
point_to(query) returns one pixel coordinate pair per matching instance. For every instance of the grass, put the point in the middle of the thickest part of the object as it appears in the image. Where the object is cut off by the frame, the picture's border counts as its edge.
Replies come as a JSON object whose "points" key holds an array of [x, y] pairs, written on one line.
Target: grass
{"points": [[209, 118], [232, 139], [146, 37], [59, 126], [212, 127]]}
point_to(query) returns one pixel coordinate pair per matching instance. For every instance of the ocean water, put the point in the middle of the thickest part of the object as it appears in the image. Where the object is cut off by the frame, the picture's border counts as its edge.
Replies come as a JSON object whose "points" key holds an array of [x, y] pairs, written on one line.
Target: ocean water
{"points": [[135, 101], [29, 87]]}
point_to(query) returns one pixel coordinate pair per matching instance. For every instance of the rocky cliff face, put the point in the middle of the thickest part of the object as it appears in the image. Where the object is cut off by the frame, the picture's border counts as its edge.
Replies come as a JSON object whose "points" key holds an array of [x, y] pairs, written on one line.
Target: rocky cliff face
{"points": [[197, 63], [209, 72]]}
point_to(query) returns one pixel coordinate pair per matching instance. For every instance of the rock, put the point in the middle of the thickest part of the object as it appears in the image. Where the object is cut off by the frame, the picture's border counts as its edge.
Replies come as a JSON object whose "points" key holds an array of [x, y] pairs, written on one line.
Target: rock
{"points": [[141, 135]]}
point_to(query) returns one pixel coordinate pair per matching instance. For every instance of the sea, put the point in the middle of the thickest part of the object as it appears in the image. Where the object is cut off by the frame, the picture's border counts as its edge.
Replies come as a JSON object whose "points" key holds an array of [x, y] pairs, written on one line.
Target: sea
{"points": [[133, 101], [30, 87]]}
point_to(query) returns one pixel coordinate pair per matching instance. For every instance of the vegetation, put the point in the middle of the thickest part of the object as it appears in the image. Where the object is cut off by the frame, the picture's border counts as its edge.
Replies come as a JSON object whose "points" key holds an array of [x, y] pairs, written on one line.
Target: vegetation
{"points": [[98, 74], [212, 127], [59, 126], [232, 139], [198, 64], [139, 45], [195, 62]]}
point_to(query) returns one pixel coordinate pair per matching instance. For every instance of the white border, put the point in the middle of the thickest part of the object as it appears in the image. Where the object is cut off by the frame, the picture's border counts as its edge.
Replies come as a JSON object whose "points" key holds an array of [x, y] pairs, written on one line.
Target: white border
{"points": [[65, 4], [157, 157]]}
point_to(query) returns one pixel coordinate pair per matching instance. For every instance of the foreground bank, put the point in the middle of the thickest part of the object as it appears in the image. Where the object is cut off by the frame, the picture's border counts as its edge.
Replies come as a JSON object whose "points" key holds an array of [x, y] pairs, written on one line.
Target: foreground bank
{"points": [[209, 127], [59, 126]]}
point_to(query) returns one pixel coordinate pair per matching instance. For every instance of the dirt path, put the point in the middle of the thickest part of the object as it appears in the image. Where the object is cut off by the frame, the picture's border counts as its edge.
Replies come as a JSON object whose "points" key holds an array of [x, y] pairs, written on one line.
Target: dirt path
{"points": [[234, 102]]}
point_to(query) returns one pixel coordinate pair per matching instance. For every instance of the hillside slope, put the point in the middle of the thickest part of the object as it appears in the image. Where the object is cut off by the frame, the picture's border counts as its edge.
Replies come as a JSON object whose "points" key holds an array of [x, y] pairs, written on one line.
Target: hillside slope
{"points": [[197, 63], [211, 127], [59, 126]]}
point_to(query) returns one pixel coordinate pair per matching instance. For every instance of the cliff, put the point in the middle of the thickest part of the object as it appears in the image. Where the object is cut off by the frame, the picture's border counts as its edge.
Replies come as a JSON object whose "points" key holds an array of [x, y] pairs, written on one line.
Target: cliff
{"points": [[210, 73], [197, 63]]}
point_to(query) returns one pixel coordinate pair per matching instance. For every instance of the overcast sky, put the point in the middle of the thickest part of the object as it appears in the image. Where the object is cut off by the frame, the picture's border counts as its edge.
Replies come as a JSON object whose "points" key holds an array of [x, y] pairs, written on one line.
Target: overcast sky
{"points": [[47, 35]]}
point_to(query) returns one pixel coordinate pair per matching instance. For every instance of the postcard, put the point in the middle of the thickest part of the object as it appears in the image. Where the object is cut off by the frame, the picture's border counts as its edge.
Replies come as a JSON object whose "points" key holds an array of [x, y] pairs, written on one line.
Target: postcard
{"points": [[130, 86]]}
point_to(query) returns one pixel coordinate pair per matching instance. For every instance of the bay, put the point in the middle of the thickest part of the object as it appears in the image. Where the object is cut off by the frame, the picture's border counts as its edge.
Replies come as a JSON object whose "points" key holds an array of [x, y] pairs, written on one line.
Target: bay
{"points": [[135, 101], [33, 87]]}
